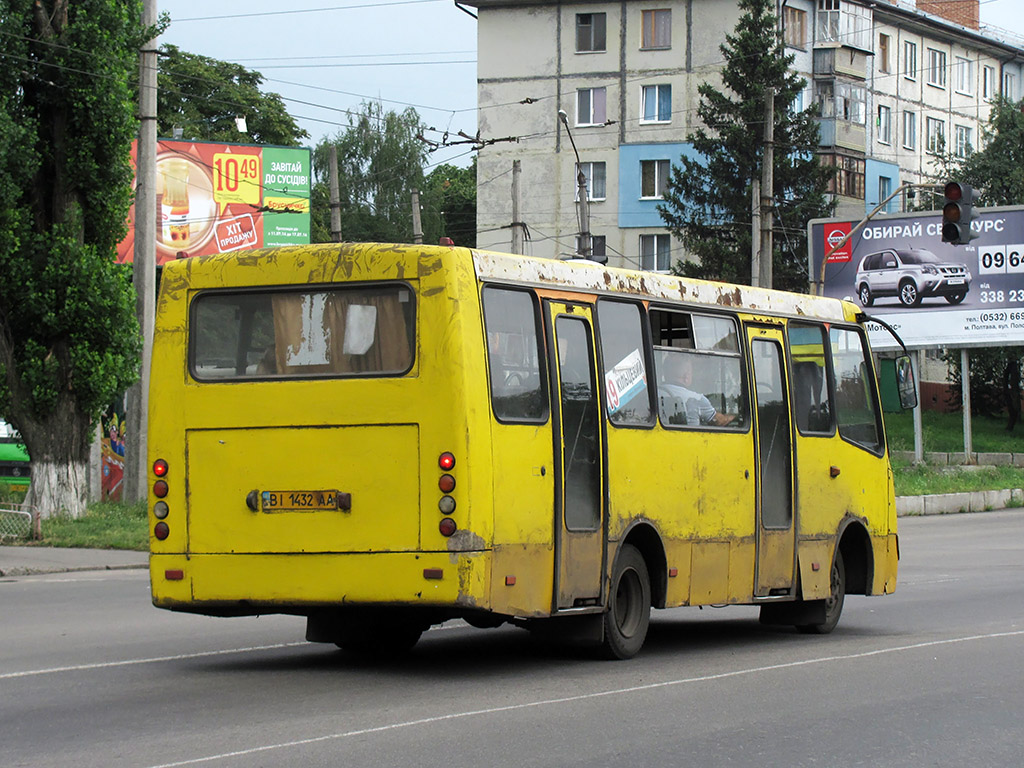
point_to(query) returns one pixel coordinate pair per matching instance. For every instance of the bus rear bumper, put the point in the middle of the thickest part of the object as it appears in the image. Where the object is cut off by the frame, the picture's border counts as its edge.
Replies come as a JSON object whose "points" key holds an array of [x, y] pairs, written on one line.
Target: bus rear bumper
{"points": [[245, 584]]}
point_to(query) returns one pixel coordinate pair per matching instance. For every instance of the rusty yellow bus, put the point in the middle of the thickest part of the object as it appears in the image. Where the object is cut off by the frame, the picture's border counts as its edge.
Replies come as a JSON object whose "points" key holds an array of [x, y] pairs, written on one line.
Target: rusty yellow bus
{"points": [[380, 438]]}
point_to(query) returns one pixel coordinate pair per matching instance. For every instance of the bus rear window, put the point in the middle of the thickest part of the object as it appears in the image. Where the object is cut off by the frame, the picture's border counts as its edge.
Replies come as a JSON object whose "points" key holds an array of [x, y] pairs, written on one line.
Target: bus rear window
{"points": [[347, 331]]}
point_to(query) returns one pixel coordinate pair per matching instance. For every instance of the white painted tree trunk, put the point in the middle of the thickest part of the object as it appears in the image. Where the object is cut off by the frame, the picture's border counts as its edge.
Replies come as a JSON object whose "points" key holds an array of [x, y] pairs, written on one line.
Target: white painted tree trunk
{"points": [[59, 488]]}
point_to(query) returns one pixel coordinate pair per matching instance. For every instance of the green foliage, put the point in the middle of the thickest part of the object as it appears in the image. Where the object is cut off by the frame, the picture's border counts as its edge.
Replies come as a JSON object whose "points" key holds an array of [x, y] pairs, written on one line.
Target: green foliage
{"points": [[203, 96], [708, 202], [380, 162], [944, 432], [922, 479], [106, 525], [68, 334], [995, 380], [449, 205]]}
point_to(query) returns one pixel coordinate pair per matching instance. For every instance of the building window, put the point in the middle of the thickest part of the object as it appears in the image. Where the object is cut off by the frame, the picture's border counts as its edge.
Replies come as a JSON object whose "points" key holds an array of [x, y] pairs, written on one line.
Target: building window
{"points": [[884, 190], [910, 130], [656, 29], [987, 78], [656, 104], [883, 52], [653, 178], [1009, 86], [844, 101], [964, 75], [935, 135], [884, 124], [598, 248], [910, 60], [656, 252], [590, 106], [795, 27], [596, 176], [849, 178], [590, 32], [936, 68], [964, 145], [828, 21]]}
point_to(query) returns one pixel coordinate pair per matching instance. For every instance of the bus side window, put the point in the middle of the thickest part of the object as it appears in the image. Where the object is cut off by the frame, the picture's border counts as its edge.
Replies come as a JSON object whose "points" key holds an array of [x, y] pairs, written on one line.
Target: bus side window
{"points": [[626, 376], [518, 392], [811, 401], [856, 405]]}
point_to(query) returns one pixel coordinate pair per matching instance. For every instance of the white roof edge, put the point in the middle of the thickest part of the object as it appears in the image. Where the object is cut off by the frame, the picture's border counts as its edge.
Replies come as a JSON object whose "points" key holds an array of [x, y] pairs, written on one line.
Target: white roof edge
{"points": [[591, 277]]}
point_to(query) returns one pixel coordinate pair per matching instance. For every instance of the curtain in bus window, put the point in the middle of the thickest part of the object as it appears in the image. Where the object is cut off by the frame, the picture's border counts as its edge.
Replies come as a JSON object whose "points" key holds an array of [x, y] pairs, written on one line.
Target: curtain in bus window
{"points": [[341, 332]]}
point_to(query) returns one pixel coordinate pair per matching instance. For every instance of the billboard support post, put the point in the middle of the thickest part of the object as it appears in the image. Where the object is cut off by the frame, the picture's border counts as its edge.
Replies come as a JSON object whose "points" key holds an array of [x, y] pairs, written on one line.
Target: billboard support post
{"points": [[965, 401]]}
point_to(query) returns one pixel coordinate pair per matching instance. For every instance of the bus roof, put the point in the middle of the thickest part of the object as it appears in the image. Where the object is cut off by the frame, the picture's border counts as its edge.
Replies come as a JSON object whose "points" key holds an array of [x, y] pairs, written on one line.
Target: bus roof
{"points": [[591, 276]]}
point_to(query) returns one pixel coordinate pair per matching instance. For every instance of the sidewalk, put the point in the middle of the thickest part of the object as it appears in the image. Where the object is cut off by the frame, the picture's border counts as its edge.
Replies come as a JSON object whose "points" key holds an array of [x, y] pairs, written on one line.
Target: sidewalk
{"points": [[22, 561]]}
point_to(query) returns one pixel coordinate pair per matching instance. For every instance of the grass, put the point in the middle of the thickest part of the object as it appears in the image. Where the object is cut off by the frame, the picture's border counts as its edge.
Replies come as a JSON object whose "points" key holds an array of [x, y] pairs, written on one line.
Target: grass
{"points": [[923, 479], [105, 525], [944, 432]]}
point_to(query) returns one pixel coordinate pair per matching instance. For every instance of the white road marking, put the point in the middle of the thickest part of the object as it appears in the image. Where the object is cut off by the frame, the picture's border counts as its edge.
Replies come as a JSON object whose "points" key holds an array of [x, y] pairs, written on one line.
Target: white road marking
{"points": [[152, 660], [581, 697]]}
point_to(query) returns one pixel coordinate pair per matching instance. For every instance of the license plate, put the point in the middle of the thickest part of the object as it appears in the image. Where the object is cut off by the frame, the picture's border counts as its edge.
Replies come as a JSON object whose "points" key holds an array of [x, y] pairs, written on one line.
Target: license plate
{"points": [[302, 501], [955, 281]]}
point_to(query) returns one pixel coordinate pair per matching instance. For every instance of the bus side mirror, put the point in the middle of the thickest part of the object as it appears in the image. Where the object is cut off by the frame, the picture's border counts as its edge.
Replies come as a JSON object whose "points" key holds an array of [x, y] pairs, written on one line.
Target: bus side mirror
{"points": [[899, 393]]}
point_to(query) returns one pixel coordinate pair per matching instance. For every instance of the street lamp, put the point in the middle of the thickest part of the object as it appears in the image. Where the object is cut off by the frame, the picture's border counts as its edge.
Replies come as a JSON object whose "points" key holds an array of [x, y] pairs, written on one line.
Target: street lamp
{"points": [[583, 249]]}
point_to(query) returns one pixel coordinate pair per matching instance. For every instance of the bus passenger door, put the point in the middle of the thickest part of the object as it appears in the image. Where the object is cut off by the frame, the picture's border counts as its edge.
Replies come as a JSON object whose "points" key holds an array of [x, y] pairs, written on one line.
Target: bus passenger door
{"points": [[579, 490], [776, 537]]}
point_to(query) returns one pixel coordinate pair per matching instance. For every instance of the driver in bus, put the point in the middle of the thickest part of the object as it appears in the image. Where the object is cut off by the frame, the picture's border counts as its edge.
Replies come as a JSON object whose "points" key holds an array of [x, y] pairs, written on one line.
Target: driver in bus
{"points": [[676, 391]]}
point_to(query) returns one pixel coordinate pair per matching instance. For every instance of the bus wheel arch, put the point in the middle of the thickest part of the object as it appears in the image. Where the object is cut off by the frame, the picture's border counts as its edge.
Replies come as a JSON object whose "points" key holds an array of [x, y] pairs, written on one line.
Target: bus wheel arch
{"points": [[646, 539], [858, 557]]}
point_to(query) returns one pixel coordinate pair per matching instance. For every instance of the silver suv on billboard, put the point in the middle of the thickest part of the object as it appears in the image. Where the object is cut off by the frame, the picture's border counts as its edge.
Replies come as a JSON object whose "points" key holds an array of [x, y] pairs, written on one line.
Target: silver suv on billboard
{"points": [[910, 274]]}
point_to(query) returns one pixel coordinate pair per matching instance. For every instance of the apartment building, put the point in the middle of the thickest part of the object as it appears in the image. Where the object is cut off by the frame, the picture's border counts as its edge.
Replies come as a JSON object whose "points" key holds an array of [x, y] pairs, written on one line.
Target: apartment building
{"points": [[897, 85]]}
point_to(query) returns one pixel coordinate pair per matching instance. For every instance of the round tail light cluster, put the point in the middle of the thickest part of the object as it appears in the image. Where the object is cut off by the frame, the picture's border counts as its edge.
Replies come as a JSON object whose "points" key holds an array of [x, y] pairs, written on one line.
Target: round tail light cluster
{"points": [[446, 484], [161, 510]]}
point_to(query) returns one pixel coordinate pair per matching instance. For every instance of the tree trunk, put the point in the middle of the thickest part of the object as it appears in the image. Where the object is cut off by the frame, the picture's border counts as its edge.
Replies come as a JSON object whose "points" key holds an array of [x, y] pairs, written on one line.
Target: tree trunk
{"points": [[59, 488]]}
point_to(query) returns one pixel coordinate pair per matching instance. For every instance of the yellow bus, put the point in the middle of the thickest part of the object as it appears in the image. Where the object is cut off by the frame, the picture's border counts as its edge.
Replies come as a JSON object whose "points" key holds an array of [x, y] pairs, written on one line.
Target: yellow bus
{"points": [[384, 437]]}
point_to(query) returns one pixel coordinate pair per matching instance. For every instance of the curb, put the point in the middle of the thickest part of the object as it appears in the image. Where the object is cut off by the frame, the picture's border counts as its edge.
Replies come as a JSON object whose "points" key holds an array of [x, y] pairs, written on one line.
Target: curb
{"points": [[957, 503], [38, 571]]}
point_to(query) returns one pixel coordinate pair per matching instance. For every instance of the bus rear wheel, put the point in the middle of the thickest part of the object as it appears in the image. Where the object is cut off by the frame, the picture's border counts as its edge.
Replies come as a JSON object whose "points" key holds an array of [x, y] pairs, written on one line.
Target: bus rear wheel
{"points": [[833, 603], [379, 637], [629, 606]]}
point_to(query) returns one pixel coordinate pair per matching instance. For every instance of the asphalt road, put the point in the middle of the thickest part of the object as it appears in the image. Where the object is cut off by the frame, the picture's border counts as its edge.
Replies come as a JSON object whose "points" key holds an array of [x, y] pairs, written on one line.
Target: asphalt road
{"points": [[92, 675]]}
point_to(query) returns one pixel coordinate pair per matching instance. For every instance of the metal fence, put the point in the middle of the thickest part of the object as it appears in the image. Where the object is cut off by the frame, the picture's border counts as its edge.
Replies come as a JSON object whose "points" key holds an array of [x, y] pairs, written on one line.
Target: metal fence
{"points": [[18, 521]]}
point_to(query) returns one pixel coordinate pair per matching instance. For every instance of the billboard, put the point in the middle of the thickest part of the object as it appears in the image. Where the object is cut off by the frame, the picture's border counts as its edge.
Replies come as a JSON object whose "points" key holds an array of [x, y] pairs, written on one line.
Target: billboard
{"points": [[216, 198], [933, 293]]}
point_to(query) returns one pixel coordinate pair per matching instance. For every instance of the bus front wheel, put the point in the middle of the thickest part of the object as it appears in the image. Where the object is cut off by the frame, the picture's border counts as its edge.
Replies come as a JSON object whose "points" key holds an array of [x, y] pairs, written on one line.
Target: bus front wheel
{"points": [[833, 603], [629, 606]]}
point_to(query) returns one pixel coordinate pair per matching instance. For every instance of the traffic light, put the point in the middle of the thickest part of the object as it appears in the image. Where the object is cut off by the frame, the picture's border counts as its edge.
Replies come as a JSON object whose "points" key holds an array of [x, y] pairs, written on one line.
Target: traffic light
{"points": [[957, 213]]}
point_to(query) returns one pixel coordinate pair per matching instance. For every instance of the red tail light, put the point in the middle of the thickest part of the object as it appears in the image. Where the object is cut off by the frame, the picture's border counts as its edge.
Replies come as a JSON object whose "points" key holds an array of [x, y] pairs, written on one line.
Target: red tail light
{"points": [[160, 468], [161, 530], [160, 488], [446, 461], [447, 526]]}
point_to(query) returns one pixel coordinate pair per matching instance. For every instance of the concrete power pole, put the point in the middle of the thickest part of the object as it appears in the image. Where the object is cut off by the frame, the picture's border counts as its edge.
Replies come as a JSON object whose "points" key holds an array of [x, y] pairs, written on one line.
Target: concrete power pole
{"points": [[335, 195], [417, 225], [517, 225], [144, 263], [755, 231], [767, 188]]}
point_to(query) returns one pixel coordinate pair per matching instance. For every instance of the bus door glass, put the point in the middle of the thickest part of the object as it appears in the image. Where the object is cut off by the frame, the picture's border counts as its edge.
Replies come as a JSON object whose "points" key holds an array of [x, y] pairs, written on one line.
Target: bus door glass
{"points": [[579, 494], [775, 528]]}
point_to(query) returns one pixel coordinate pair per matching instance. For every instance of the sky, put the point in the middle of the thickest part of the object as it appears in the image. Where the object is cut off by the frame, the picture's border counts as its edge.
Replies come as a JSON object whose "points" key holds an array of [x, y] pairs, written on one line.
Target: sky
{"points": [[326, 57]]}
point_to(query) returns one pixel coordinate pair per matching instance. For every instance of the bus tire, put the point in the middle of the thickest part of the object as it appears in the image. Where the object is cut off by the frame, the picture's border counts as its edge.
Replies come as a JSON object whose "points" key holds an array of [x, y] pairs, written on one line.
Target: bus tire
{"points": [[629, 606], [379, 638], [833, 604]]}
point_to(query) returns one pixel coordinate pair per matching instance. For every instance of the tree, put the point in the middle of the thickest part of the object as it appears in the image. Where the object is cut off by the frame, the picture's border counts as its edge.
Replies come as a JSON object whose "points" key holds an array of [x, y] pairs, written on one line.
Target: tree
{"points": [[380, 162], [708, 202], [997, 171], [69, 339], [203, 96], [449, 205]]}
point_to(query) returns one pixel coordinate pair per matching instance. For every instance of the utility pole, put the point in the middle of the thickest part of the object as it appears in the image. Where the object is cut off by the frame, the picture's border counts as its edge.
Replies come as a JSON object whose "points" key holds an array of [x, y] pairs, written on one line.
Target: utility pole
{"points": [[143, 263], [755, 231], [517, 225], [768, 188], [417, 225], [335, 195], [583, 249]]}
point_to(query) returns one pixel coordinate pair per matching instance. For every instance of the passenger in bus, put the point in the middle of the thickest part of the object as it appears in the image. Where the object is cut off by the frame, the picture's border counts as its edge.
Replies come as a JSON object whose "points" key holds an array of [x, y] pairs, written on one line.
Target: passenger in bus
{"points": [[681, 404]]}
